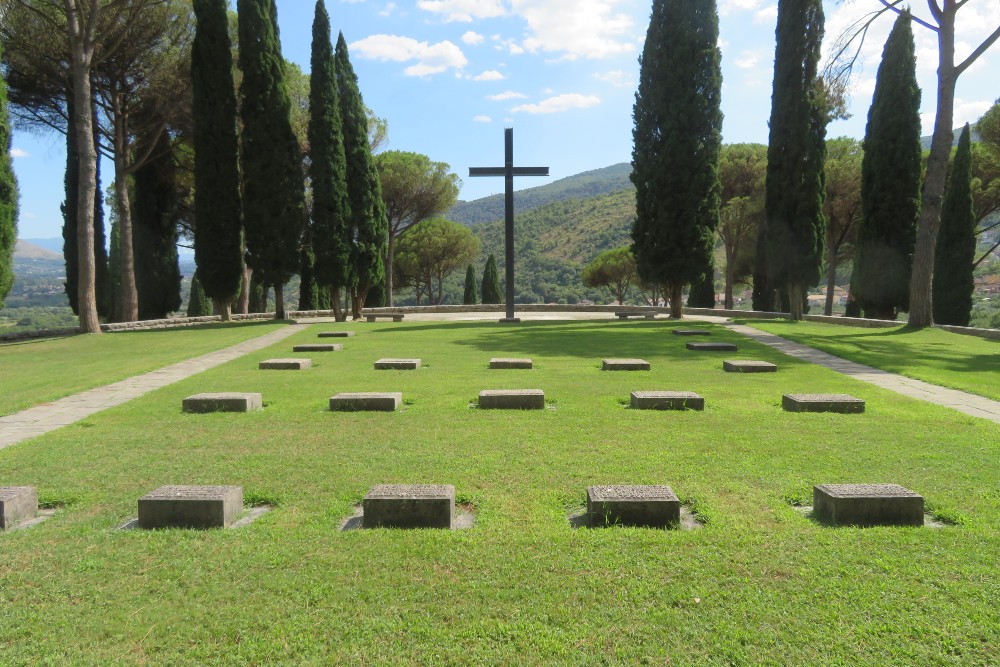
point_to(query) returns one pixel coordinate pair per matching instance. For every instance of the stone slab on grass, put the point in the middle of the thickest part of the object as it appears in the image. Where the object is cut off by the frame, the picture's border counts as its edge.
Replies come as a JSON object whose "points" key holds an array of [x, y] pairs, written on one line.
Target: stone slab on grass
{"points": [[643, 506], [336, 334], [624, 365], [409, 506], [318, 347], [500, 362], [223, 402], [666, 400], [395, 318], [692, 332], [190, 507], [17, 504], [285, 364], [512, 399], [366, 401], [748, 366], [397, 364], [712, 347], [867, 505], [840, 403]]}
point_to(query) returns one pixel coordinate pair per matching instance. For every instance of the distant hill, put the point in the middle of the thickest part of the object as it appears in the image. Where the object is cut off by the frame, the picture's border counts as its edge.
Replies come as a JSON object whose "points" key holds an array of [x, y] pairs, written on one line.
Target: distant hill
{"points": [[28, 250], [54, 244], [957, 132], [587, 184]]}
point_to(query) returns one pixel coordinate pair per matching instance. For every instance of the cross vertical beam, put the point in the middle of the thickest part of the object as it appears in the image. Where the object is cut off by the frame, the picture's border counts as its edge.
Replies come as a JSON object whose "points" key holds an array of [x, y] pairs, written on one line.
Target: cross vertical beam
{"points": [[508, 171]]}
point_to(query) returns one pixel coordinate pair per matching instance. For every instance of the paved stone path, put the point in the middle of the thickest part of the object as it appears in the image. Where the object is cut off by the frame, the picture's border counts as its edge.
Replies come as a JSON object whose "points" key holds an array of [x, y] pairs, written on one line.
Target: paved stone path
{"points": [[47, 417], [970, 404]]}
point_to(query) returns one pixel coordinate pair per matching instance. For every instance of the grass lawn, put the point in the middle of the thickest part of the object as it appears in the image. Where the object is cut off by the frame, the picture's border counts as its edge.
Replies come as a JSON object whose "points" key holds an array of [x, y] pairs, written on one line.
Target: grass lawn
{"points": [[759, 583], [951, 360], [43, 370]]}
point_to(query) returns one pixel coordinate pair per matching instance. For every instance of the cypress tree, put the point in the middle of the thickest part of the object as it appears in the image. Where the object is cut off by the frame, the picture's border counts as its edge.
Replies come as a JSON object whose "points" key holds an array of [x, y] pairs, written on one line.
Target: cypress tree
{"points": [[491, 282], [702, 294], [8, 201], [331, 212], [677, 138], [154, 220], [376, 295], [368, 217], [471, 297], [308, 292], [794, 192], [273, 185], [198, 305], [763, 298], [218, 240], [258, 296], [956, 243], [890, 182]]}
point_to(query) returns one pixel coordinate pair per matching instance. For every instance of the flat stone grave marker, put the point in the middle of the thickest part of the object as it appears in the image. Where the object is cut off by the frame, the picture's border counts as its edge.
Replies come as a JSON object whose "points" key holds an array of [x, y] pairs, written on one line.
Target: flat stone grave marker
{"points": [[624, 365], [285, 364], [190, 507], [336, 334], [666, 400], [397, 364], [643, 506], [223, 402], [840, 403], [500, 362], [17, 504], [409, 506], [692, 332], [512, 399], [746, 366], [318, 347], [712, 347], [867, 505], [370, 401]]}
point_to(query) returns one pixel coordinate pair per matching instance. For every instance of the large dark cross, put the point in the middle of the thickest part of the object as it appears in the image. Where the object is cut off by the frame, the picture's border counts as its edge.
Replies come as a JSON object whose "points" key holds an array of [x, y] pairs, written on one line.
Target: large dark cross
{"points": [[509, 171]]}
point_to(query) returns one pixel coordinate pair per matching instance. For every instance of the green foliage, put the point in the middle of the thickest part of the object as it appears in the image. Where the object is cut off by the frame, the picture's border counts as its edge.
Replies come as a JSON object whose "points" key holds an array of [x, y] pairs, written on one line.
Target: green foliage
{"points": [[198, 303], [794, 228], [308, 291], [8, 200], [258, 296], [36, 318], [471, 296], [613, 269], [890, 182], [956, 243], [429, 252], [702, 294], [676, 144], [742, 171], [218, 209], [491, 282]]}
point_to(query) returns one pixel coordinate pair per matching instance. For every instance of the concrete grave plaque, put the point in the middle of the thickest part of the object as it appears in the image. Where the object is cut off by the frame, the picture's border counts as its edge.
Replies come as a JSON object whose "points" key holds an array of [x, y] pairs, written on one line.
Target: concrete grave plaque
{"points": [[17, 504], [712, 347], [666, 400], [190, 507], [372, 401], [223, 402], [692, 332], [512, 399], [409, 506], [624, 365], [336, 334], [644, 506], [285, 364], [841, 403], [318, 347], [397, 364], [867, 505], [740, 366], [498, 362]]}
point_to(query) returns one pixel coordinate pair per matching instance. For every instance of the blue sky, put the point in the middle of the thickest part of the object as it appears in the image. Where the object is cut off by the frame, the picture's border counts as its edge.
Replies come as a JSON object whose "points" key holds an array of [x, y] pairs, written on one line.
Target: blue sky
{"points": [[449, 75]]}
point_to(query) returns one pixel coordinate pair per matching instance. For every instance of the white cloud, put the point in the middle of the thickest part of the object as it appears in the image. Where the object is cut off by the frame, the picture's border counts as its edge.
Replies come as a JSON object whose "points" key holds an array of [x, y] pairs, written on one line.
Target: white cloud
{"points": [[489, 75], [747, 60], [17, 152], [965, 112], [616, 78], [463, 11], [431, 58], [727, 7], [388, 9], [559, 103], [766, 15], [506, 95], [482, 119], [472, 38], [576, 28]]}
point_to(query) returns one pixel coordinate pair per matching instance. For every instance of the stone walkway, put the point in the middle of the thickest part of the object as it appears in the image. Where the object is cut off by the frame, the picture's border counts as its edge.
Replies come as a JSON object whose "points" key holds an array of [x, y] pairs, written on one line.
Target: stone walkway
{"points": [[970, 404], [47, 417]]}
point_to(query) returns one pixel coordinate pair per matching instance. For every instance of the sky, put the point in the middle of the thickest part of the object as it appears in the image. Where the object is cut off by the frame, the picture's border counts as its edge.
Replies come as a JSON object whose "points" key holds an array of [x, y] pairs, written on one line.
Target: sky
{"points": [[450, 75]]}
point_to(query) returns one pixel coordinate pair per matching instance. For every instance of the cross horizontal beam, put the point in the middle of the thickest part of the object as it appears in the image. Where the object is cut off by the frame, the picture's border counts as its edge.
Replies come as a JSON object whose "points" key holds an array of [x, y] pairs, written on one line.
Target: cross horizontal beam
{"points": [[502, 171]]}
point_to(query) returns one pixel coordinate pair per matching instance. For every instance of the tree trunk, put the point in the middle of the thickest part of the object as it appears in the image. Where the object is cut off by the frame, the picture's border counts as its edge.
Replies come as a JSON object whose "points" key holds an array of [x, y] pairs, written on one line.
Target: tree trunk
{"points": [[358, 301], [279, 301], [831, 274], [796, 295], [129, 297], [390, 253], [243, 303], [676, 301], [339, 314], [222, 309], [730, 271]]}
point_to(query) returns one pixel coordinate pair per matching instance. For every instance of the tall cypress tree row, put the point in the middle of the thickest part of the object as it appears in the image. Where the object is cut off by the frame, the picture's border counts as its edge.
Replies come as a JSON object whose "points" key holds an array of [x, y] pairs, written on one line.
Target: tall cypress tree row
{"points": [[470, 297], [331, 213], [198, 305], [273, 186], [890, 182], [368, 217], [218, 248], [8, 201], [795, 227], [677, 138], [154, 229], [956, 243], [491, 282], [308, 292]]}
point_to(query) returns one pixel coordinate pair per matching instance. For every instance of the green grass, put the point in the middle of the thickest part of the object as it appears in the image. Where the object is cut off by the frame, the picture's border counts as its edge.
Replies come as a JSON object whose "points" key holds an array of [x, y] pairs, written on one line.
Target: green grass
{"points": [[760, 583], [951, 360], [37, 371]]}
